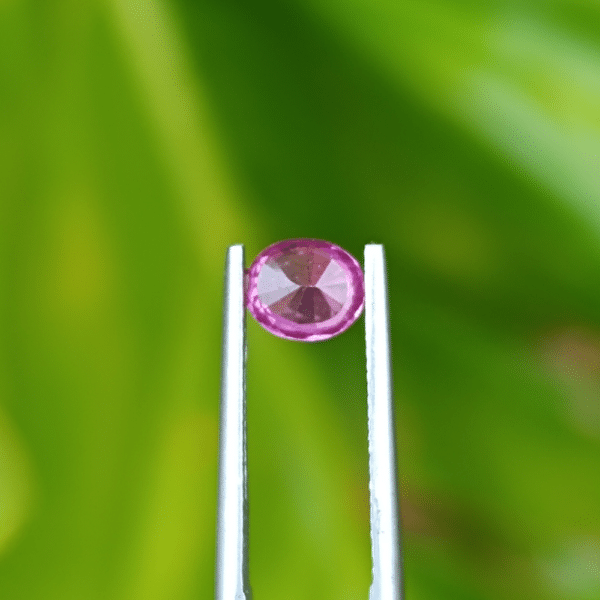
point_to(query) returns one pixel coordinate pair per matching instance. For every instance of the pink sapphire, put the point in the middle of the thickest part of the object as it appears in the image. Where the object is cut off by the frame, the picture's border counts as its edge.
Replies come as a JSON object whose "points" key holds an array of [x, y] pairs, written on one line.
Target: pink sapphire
{"points": [[308, 290]]}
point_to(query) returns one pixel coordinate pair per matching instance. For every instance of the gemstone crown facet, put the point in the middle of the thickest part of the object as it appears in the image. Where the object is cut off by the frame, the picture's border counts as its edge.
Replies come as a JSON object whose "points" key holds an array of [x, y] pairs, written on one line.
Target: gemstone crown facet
{"points": [[305, 289]]}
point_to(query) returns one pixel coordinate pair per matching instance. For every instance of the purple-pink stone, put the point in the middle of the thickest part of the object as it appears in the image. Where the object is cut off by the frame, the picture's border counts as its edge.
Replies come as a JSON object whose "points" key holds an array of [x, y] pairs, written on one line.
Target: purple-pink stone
{"points": [[307, 290]]}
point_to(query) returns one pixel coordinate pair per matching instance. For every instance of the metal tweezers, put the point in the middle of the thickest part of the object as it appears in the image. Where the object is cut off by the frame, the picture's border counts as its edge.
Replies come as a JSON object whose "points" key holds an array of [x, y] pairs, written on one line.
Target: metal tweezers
{"points": [[232, 581]]}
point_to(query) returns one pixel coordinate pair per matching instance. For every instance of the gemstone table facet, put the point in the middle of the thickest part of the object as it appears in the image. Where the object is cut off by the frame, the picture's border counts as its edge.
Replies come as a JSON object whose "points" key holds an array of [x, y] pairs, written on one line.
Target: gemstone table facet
{"points": [[307, 290]]}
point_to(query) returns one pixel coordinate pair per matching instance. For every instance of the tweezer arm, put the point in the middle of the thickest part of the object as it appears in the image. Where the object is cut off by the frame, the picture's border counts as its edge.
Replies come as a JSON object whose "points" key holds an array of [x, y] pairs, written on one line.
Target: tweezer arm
{"points": [[383, 487], [232, 516]]}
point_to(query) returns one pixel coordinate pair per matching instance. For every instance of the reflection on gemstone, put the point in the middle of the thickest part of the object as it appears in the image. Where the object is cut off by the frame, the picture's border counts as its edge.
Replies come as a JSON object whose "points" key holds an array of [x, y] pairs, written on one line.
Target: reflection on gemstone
{"points": [[306, 305], [274, 284], [305, 289]]}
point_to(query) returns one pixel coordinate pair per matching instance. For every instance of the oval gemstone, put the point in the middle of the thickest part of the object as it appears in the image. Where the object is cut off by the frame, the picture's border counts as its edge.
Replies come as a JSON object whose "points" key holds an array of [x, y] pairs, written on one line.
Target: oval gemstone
{"points": [[305, 289]]}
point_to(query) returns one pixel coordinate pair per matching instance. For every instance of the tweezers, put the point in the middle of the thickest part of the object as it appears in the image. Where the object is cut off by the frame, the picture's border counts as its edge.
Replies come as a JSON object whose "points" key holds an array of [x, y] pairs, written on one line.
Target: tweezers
{"points": [[232, 579]]}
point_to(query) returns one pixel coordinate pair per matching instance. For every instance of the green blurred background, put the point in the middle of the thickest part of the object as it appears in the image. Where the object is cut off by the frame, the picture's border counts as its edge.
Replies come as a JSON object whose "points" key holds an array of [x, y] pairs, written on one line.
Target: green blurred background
{"points": [[138, 139]]}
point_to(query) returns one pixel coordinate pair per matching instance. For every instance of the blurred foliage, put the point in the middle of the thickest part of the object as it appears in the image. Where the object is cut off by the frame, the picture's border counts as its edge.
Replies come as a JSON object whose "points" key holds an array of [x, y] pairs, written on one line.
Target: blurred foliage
{"points": [[138, 139]]}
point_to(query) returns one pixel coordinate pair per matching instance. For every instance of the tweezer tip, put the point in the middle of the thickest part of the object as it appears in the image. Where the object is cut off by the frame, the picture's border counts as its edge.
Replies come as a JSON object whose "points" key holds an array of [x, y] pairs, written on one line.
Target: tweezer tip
{"points": [[373, 250], [235, 250]]}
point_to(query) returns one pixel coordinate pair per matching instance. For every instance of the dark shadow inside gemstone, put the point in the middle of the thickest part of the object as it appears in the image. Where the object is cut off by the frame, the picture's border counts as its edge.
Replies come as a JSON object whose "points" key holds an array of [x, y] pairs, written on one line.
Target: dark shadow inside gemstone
{"points": [[334, 305], [309, 306], [306, 268], [305, 305]]}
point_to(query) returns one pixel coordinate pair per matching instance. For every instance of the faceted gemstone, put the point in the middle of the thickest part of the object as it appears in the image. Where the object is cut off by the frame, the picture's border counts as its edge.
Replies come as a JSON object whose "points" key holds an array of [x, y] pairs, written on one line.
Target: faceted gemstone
{"points": [[305, 289]]}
